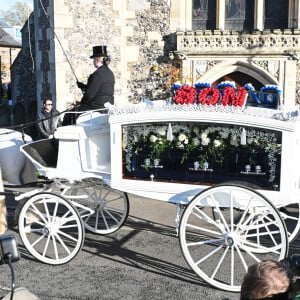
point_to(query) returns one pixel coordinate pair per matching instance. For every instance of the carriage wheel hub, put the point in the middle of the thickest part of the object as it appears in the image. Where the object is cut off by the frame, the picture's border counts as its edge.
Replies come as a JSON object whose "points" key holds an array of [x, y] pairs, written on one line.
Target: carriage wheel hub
{"points": [[45, 231], [53, 227], [231, 239], [101, 204]]}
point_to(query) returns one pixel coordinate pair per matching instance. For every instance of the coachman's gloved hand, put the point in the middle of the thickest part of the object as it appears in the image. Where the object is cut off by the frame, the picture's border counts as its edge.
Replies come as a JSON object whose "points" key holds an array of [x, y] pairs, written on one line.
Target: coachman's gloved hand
{"points": [[81, 85]]}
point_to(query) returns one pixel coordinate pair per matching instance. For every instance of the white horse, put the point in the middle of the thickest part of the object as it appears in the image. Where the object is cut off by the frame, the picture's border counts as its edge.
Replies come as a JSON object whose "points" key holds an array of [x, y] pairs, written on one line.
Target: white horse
{"points": [[16, 168]]}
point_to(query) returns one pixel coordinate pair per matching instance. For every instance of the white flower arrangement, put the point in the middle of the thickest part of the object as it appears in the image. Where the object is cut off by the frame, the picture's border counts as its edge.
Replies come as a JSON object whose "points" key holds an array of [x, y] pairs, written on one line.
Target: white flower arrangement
{"points": [[205, 142]]}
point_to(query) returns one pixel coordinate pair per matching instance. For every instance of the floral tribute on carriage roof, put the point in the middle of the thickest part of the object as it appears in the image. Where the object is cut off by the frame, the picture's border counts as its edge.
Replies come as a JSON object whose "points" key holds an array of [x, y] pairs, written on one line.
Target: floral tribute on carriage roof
{"points": [[225, 93], [205, 143]]}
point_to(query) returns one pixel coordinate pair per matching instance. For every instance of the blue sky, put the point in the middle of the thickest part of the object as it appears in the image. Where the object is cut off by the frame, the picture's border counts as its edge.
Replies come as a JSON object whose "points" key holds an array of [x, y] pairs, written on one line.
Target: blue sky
{"points": [[6, 4]]}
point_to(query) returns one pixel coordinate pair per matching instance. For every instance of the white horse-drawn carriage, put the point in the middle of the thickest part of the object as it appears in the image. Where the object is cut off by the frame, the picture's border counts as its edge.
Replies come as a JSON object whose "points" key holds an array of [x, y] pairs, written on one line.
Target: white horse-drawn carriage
{"points": [[233, 174]]}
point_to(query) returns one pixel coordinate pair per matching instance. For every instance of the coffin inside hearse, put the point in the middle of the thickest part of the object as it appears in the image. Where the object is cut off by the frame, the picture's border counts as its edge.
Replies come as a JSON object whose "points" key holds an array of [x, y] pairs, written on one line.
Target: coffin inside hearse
{"points": [[202, 152]]}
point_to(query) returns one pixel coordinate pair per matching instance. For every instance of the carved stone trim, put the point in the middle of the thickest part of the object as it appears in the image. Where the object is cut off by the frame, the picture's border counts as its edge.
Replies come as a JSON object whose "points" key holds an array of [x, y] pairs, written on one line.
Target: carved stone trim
{"points": [[233, 42]]}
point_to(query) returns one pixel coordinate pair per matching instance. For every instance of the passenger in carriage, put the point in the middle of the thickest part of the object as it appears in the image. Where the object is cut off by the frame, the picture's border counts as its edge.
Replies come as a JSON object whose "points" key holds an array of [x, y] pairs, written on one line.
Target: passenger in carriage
{"points": [[268, 279], [99, 90], [47, 120]]}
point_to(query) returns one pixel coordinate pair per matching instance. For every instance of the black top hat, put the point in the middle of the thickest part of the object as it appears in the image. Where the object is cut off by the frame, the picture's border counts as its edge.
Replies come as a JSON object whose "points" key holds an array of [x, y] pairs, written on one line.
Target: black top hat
{"points": [[99, 51]]}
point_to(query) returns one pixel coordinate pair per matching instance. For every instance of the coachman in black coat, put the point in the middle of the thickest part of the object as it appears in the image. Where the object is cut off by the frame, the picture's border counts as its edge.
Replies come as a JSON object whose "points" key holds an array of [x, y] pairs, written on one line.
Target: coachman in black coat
{"points": [[99, 89], [100, 86]]}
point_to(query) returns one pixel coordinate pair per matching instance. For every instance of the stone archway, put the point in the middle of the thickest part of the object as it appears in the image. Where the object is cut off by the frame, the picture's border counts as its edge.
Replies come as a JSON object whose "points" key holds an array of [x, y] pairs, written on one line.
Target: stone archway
{"points": [[241, 72], [240, 80]]}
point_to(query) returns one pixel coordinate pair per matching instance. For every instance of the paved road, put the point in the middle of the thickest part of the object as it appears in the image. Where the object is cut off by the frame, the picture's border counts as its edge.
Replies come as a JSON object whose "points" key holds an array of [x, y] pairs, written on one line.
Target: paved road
{"points": [[142, 260]]}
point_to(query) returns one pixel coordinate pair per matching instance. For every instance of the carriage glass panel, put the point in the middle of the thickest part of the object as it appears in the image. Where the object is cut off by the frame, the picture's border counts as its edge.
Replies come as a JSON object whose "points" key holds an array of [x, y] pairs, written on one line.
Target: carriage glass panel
{"points": [[202, 153]]}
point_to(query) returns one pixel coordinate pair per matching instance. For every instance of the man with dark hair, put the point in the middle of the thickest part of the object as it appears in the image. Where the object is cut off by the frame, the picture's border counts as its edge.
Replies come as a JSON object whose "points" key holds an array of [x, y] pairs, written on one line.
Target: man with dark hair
{"points": [[47, 120]]}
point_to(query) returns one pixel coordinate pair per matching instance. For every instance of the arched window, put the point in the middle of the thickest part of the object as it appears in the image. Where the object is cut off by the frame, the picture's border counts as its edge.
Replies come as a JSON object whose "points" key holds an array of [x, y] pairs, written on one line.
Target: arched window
{"points": [[276, 14], [239, 14], [204, 14]]}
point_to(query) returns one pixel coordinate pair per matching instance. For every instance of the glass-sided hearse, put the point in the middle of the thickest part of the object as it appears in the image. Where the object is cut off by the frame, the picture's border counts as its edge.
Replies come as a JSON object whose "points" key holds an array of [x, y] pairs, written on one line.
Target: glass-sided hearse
{"points": [[233, 172]]}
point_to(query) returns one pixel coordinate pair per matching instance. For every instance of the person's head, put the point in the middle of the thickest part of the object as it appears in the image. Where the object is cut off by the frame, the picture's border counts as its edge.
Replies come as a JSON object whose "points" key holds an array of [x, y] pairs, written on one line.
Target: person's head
{"points": [[100, 56], [268, 279], [48, 105]]}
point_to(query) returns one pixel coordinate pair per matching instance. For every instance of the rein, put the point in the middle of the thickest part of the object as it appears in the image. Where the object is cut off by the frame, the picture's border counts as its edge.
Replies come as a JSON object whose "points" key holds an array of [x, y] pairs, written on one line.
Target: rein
{"points": [[21, 127]]}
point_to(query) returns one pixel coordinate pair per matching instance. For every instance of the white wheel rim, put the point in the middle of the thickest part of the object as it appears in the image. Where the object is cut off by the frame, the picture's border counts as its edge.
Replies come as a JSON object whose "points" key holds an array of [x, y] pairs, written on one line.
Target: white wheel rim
{"points": [[220, 250], [290, 214], [55, 234]]}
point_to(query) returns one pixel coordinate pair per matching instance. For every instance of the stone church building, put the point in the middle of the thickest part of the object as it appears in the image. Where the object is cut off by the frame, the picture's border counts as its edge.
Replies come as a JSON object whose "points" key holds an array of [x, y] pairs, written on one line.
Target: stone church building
{"points": [[154, 43]]}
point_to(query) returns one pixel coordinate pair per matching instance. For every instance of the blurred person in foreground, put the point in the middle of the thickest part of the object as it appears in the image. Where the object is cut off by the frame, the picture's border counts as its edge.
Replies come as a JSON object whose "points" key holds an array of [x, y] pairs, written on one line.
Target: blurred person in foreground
{"points": [[266, 280]]}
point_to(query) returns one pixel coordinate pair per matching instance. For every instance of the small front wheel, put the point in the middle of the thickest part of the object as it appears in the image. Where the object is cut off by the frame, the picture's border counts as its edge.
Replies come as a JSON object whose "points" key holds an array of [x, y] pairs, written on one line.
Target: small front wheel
{"points": [[103, 210], [51, 228]]}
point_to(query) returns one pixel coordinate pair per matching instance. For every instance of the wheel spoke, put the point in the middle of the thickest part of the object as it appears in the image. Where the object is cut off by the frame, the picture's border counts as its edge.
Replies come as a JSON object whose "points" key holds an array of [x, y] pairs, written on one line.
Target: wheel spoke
{"points": [[203, 229], [199, 214], [208, 255], [38, 240], [46, 246], [104, 219], [111, 215], [37, 212], [219, 263], [62, 242], [241, 256], [212, 241], [216, 205]]}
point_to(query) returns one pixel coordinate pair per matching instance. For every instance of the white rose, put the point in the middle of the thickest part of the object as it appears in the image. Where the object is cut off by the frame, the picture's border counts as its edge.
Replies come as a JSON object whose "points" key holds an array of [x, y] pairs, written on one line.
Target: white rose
{"points": [[153, 138], [203, 136], [205, 141], [217, 143], [181, 137], [161, 132], [224, 134]]}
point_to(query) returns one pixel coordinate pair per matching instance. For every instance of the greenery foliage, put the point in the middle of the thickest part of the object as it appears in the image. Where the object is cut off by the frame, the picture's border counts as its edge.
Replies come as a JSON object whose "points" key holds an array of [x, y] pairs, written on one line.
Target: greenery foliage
{"points": [[200, 142], [17, 15]]}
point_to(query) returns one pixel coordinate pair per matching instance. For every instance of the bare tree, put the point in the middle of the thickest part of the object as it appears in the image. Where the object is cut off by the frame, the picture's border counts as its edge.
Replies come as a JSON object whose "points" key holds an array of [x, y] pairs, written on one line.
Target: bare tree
{"points": [[18, 14]]}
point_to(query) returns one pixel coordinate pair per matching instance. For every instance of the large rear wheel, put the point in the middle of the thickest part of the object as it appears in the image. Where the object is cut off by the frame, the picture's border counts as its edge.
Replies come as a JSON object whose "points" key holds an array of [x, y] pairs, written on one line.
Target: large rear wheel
{"points": [[226, 228]]}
